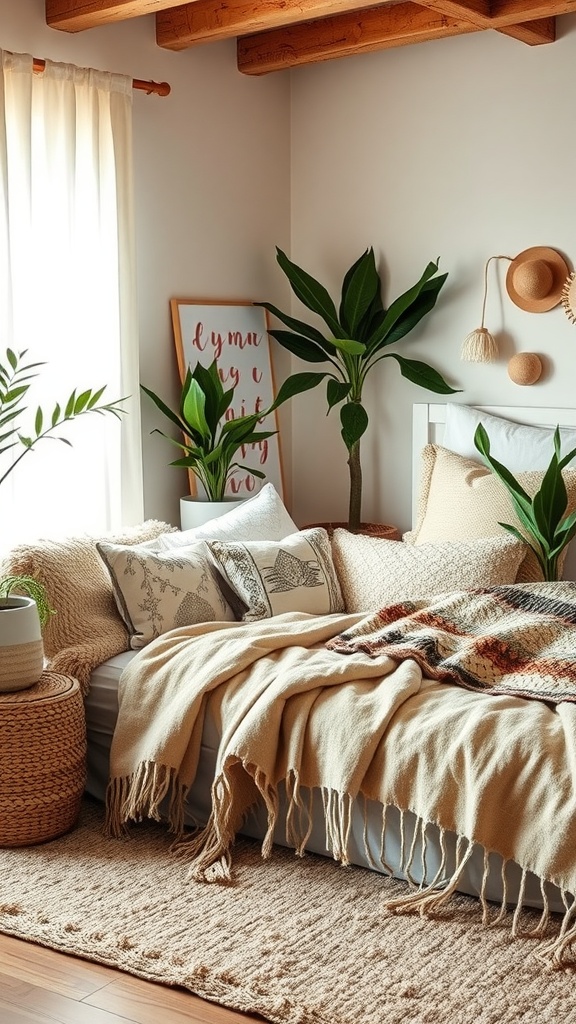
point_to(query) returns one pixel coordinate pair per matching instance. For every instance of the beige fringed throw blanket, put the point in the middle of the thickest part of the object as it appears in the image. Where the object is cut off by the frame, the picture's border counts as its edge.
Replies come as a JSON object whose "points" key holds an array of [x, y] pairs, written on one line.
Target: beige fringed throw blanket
{"points": [[495, 770]]}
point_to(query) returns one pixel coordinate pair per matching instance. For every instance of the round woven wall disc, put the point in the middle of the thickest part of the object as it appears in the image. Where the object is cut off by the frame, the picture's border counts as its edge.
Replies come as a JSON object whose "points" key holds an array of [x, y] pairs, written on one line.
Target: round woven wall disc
{"points": [[525, 368]]}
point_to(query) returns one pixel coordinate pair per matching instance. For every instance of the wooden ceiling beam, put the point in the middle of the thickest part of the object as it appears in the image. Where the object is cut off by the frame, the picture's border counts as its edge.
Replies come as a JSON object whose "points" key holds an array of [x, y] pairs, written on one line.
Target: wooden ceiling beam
{"points": [[377, 28], [76, 15], [534, 33], [502, 13], [207, 20]]}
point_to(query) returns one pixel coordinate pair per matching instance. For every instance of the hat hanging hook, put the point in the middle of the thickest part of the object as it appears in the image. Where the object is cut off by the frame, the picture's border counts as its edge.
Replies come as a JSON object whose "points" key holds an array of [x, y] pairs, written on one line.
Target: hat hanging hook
{"points": [[480, 346]]}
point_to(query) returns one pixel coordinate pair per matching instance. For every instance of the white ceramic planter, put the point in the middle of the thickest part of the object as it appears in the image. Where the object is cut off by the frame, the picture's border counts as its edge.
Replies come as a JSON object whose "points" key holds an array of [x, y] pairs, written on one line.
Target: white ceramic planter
{"points": [[21, 645], [196, 511]]}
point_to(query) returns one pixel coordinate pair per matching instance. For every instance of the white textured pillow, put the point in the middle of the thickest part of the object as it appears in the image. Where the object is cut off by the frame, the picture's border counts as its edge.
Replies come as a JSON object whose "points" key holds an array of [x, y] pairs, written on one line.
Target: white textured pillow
{"points": [[156, 591], [295, 574], [519, 446], [262, 517], [460, 499], [374, 572]]}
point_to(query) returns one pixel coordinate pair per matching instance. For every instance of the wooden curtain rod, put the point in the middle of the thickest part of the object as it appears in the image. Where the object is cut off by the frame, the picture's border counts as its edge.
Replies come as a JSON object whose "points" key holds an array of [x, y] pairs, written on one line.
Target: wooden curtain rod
{"points": [[160, 88]]}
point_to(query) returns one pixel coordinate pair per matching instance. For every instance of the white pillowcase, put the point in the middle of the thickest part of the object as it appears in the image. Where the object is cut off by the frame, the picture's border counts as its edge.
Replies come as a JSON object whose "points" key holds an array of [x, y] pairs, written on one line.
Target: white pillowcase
{"points": [[518, 446], [262, 517], [156, 591], [374, 572], [295, 574]]}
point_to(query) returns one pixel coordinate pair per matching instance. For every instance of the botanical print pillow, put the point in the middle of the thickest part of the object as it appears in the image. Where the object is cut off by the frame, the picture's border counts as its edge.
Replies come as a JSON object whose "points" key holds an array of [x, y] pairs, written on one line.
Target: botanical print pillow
{"points": [[157, 591], [374, 572], [295, 574]]}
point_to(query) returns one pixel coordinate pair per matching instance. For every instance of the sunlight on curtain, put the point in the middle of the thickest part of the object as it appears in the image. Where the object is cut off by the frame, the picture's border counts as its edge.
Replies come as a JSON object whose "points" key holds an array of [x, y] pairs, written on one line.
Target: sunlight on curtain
{"points": [[67, 292]]}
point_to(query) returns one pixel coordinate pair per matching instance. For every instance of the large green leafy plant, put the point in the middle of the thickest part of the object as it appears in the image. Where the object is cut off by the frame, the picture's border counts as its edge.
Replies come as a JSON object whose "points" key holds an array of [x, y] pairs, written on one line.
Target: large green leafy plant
{"points": [[547, 529], [212, 438], [359, 335], [15, 378]]}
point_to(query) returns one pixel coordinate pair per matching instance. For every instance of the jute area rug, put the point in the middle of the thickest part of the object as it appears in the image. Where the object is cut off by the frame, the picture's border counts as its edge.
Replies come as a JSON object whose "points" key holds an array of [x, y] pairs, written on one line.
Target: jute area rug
{"points": [[300, 941]]}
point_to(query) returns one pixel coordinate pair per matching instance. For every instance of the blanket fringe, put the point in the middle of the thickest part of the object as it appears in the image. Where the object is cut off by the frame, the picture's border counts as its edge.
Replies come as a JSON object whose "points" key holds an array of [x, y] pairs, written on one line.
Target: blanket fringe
{"points": [[138, 796]]}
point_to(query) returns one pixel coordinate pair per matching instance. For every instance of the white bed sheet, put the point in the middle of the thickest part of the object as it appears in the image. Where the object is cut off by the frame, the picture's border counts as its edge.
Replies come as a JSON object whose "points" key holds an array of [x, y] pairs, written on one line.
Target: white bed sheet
{"points": [[102, 710]]}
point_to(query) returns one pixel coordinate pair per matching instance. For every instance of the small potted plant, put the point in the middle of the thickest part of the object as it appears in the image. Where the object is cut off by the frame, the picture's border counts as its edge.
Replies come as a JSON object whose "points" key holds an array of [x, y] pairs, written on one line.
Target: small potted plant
{"points": [[211, 439], [359, 334], [24, 611]]}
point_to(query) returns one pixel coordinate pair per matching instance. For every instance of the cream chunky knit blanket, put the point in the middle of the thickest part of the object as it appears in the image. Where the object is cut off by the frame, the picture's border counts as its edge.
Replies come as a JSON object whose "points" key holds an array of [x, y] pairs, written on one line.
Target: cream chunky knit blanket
{"points": [[496, 770]]}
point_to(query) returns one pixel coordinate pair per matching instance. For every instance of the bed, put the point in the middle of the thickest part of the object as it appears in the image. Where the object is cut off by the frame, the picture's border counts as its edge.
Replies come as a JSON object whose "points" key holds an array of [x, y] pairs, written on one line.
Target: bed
{"points": [[429, 856]]}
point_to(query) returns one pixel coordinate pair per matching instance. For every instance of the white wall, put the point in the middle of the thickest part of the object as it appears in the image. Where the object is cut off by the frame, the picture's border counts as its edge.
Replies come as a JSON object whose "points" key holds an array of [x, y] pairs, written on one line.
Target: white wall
{"points": [[460, 148], [212, 192]]}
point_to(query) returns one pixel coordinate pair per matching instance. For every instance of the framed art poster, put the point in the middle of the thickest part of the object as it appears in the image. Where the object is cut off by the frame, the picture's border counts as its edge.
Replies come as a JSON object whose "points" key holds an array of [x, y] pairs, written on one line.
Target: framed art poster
{"points": [[236, 335]]}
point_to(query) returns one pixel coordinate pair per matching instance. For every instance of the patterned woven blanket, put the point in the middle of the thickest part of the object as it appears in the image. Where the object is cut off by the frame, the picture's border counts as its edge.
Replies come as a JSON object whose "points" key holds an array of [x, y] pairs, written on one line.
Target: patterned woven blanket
{"points": [[518, 640]]}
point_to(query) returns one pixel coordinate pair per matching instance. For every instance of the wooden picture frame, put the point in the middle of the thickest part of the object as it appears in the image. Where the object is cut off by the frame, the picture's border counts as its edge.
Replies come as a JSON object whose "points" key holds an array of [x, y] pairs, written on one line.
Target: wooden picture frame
{"points": [[236, 334]]}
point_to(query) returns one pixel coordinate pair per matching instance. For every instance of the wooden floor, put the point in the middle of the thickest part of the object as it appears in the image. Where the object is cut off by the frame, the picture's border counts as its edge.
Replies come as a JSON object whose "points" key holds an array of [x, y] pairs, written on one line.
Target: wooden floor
{"points": [[39, 986]]}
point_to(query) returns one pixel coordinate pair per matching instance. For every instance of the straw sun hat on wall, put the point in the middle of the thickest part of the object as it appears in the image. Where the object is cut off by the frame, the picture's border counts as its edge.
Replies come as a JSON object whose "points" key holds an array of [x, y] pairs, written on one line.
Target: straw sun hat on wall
{"points": [[536, 278]]}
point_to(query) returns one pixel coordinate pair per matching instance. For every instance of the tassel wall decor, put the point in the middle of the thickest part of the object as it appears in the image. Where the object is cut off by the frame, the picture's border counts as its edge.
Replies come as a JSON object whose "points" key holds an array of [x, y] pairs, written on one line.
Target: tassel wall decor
{"points": [[480, 346]]}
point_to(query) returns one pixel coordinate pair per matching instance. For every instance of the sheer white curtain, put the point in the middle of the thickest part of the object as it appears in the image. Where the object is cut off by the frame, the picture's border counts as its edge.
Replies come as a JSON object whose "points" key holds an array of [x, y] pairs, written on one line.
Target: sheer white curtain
{"points": [[67, 292]]}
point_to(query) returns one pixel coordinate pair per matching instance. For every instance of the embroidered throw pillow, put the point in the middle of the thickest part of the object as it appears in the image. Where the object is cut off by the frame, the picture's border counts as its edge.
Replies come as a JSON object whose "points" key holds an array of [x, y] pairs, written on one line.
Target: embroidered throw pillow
{"points": [[156, 591], [374, 572], [295, 574], [263, 517], [461, 499]]}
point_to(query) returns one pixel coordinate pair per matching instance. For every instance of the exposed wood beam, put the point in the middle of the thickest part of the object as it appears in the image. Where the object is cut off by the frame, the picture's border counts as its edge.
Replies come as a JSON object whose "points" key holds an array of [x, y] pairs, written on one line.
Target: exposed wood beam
{"points": [[501, 13], [534, 33], [76, 15], [207, 20], [377, 28]]}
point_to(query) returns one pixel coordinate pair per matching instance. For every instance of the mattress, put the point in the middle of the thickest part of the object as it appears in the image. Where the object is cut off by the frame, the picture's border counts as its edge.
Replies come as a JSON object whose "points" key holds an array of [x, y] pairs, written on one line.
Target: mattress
{"points": [[101, 712]]}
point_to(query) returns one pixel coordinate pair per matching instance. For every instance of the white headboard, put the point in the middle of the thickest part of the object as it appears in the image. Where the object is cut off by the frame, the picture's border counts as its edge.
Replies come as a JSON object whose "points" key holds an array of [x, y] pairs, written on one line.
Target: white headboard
{"points": [[428, 427]]}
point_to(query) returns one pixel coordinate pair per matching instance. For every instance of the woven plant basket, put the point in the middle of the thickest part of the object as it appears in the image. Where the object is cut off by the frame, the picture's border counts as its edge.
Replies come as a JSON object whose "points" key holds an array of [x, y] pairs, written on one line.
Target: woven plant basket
{"points": [[42, 760], [372, 529]]}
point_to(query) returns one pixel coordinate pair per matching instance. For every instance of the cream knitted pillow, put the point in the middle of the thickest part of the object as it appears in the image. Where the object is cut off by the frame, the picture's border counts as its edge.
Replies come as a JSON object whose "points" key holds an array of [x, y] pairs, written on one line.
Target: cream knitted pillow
{"points": [[461, 499], [374, 572], [86, 629]]}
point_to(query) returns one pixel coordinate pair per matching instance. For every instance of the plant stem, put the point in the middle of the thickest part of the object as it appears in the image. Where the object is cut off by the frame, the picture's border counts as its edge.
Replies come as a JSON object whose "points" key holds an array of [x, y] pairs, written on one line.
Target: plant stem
{"points": [[355, 468]]}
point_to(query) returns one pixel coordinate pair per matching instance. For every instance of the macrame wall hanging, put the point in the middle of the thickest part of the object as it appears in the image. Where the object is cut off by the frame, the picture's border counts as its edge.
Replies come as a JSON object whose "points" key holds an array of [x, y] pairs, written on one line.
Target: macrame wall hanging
{"points": [[536, 281], [480, 346]]}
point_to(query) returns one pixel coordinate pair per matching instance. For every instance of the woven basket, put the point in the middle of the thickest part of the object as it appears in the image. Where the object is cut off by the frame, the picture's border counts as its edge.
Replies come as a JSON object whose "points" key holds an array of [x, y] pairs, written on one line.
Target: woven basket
{"points": [[42, 760], [372, 529]]}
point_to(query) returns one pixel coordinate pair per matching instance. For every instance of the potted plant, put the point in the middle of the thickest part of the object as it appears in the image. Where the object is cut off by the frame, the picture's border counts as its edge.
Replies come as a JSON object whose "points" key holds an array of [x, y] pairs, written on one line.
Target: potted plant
{"points": [[547, 528], [24, 611], [24, 603], [212, 438], [359, 335]]}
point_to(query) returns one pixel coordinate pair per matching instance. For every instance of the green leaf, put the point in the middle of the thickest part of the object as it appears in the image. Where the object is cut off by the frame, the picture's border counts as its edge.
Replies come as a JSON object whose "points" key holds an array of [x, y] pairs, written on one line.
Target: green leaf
{"points": [[210, 385], [354, 421], [298, 326], [361, 284], [81, 402], [162, 407], [301, 347], [296, 384], [38, 421], [422, 374], [96, 396], [422, 305], [310, 292], [352, 348], [69, 410], [193, 408], [336, 392], [405, 301]]}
